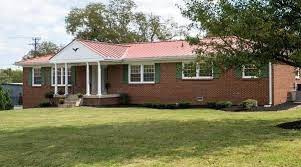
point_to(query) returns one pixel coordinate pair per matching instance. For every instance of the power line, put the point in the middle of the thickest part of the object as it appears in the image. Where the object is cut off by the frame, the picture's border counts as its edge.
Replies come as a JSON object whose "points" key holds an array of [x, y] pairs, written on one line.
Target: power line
{"points": [[35, 43]]}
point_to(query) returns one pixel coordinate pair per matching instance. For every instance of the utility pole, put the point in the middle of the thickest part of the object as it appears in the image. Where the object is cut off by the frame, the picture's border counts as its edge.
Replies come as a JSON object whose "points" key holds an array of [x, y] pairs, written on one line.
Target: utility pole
{"points": [[35, 43]]}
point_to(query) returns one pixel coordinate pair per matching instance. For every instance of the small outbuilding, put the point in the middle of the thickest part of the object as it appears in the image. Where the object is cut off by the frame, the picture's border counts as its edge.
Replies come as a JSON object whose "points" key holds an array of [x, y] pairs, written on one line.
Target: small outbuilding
{"points": [[15, 91]]}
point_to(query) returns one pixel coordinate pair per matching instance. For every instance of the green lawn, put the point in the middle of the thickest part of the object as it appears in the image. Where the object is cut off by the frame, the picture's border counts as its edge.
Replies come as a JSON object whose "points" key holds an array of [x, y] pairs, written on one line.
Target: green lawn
{"points": [[147, 137]]}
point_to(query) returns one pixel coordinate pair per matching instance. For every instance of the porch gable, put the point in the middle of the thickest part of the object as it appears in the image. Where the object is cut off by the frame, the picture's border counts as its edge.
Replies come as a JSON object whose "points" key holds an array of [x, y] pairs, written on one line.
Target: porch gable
{"points": [[76, 52]]}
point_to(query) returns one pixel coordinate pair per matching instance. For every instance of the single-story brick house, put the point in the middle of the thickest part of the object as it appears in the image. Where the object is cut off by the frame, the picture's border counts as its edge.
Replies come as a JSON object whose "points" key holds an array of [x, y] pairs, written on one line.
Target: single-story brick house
{"points": [[148, 72]]}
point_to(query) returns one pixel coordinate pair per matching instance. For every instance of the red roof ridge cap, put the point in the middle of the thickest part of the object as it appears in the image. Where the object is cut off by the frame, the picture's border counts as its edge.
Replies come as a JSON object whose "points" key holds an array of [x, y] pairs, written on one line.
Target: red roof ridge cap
{"points": [[45, 55], [105, 43], [162, 41]]}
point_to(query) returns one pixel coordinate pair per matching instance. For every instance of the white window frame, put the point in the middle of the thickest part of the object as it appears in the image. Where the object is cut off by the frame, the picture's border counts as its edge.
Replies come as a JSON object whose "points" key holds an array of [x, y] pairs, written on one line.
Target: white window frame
{"points": [[32, 79], [247, 76], [141, 74], [62, 76], [197, 77], [298, 73]]}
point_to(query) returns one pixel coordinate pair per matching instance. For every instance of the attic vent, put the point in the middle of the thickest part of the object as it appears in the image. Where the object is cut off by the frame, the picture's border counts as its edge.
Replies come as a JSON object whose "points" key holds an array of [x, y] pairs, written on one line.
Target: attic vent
{"points": [[200, 98], [75, 49]]}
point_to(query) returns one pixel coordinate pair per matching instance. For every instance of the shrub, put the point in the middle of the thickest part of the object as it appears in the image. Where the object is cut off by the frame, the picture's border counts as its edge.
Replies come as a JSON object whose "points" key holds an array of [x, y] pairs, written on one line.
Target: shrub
{"points": [[49, 95], [79, 95], [249, 104], [61, 101], [45, 104], [183, 105], [167, 106], [219, 104], [124, 99], [5, 100], [211, 104], [61, 92], [223, 104]]}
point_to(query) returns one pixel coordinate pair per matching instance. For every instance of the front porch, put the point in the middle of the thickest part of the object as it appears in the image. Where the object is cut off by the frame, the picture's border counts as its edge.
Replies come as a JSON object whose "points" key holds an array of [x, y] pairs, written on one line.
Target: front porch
{"points": [[88, 79]]}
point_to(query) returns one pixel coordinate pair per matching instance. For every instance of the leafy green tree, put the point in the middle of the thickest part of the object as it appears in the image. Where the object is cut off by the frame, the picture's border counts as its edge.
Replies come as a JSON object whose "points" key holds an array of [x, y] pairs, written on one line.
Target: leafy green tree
{"points": [[10, 76], [117, 23], [251, 31], [5, 101], [151, 28], [44, 48]]}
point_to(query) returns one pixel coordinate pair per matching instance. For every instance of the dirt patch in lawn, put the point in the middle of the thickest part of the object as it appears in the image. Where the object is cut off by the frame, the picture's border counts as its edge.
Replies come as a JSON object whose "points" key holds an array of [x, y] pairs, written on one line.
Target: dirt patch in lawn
{"points": [[290, 125]]}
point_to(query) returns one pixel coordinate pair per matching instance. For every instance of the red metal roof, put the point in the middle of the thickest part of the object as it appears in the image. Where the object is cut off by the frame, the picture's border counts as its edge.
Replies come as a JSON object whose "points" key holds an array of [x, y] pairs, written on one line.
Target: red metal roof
{"points": [[37, 60], [113, 51], [159, 50], [132, 51]]}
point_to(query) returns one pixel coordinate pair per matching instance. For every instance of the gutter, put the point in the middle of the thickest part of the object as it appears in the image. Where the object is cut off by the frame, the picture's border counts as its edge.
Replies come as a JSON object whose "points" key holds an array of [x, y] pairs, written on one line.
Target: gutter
{"points": [[270, 86]]}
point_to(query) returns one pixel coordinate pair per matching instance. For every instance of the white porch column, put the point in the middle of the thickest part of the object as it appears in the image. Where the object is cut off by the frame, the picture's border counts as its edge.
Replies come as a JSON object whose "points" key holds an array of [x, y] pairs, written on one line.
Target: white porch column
{"points": [[99, 93], [87, 80], [66, 79], [55, 79]]}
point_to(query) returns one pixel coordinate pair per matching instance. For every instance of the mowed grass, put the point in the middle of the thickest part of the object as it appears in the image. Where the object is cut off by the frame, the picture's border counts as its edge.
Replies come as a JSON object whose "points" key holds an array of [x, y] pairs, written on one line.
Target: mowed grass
{"points": [[147, 137]]}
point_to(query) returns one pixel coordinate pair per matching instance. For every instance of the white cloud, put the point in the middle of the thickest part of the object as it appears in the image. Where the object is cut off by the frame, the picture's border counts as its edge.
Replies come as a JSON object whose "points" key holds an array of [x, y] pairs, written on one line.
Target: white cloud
{"points": [[22, 19]]}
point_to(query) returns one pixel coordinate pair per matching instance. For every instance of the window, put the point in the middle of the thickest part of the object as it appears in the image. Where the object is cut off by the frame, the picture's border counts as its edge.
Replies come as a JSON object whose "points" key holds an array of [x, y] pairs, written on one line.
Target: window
{"points": [[36, 77], [250, 71], [142, 73], [197, 71], [148, 73], [60, 76], [135, 73], [189, 70], [297, 73]]}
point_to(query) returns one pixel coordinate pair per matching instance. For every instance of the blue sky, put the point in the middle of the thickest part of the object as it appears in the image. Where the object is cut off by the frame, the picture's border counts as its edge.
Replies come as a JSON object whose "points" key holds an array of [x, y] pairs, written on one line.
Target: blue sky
{"points": [[22, 19]]}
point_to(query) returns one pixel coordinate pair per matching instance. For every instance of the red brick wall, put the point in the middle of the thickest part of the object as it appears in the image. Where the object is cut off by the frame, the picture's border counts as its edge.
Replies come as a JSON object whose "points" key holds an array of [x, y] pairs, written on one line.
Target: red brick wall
{"points": [[283, 82], [33, 96], [170, 89], [101, 101]]}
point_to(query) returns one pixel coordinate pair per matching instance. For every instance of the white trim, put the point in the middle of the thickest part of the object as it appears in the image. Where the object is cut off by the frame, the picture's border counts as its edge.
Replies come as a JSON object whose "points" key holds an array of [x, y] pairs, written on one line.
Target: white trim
{"points": [[270, 84], [83, 54], [141, 73], [298, 75], [66, 78], [61, 78], [247, 77], [32, 79], [101, 97], [55, 79], [87, 79], [99, 83], [197, 77]]}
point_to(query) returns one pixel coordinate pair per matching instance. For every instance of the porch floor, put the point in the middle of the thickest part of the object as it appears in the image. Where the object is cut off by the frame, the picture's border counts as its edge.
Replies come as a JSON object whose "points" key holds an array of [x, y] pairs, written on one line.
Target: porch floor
{"points": [[101, 97]]}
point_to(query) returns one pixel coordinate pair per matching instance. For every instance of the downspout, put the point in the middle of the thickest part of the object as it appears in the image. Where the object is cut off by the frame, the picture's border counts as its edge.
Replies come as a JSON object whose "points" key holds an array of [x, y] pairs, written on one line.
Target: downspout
{"points": [[270, 84]]}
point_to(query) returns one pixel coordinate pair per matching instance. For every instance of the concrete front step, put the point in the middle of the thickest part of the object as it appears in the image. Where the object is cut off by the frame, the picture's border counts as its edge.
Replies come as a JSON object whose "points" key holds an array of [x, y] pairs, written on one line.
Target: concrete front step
{"points": [[298, 96], [71, 101]]}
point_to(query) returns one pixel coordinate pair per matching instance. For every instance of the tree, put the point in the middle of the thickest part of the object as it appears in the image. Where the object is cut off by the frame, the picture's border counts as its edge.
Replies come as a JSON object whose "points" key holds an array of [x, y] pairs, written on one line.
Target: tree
{"points": [[10, 76], [5, 101], [117, 23], [150, 28], [251, 31], [44, 48]]}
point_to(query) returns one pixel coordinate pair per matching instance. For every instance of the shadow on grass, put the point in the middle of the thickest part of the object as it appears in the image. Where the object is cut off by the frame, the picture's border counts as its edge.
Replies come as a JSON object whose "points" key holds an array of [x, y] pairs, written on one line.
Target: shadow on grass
{"points": [[119, 143]]}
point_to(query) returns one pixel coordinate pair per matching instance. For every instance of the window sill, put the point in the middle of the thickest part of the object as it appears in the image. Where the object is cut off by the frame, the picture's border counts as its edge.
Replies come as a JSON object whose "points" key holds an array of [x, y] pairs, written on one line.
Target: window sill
{"points": [[140, 83], [61, 85], [36, 85], [203, 78], [249, 77]]}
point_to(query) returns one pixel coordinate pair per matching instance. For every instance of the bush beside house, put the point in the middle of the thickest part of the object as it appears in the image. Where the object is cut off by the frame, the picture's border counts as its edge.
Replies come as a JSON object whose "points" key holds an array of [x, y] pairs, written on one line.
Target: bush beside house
{"points": [[5, 101]]}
